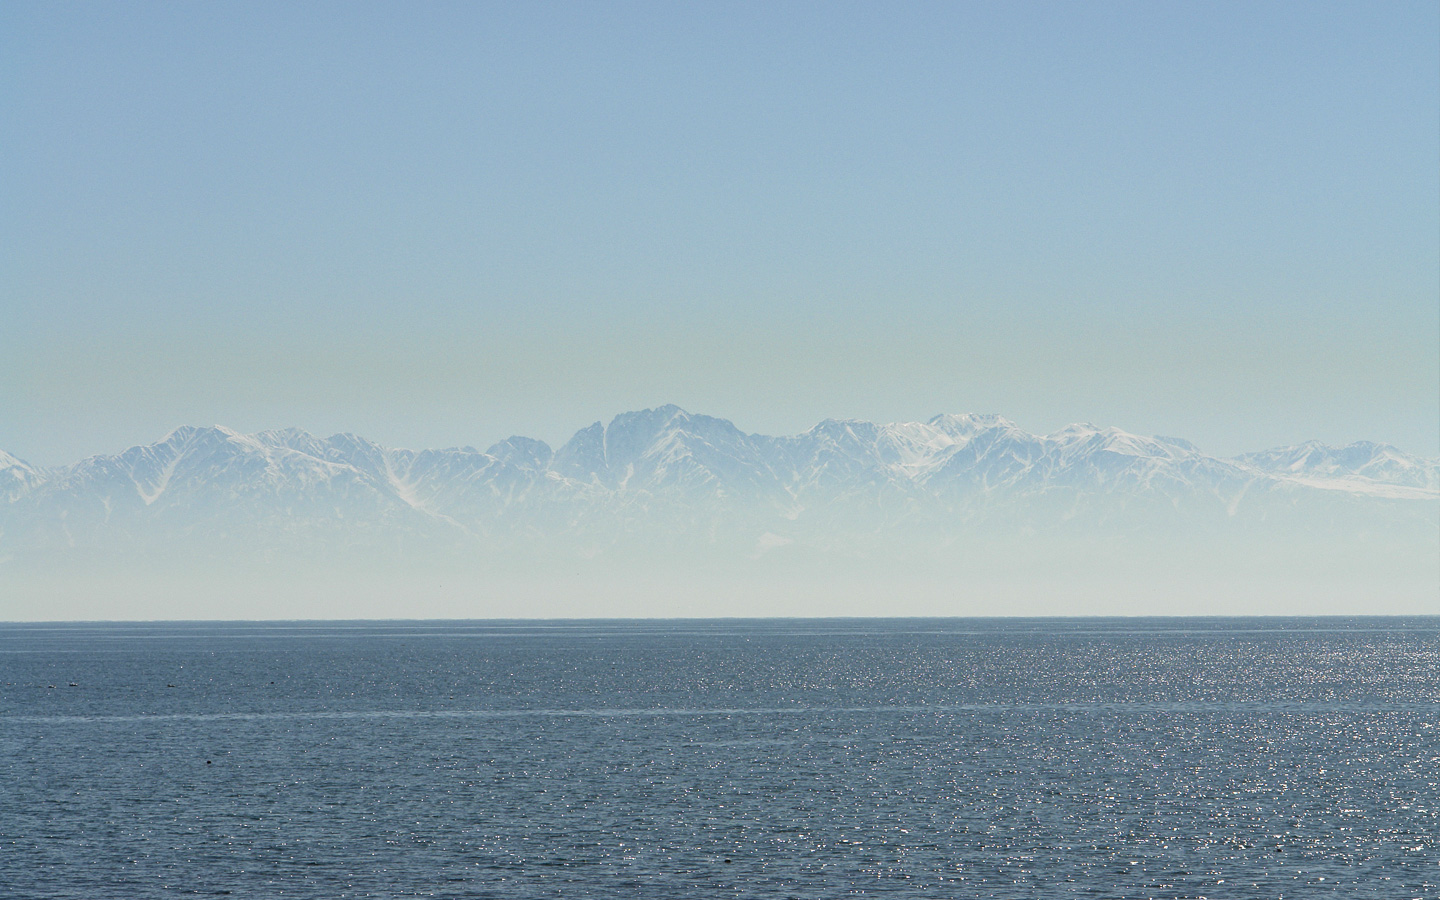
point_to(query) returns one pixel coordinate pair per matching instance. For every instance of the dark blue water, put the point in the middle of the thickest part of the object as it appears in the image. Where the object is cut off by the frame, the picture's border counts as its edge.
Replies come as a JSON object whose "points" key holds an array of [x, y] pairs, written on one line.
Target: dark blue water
{"points": [[900, 758]]}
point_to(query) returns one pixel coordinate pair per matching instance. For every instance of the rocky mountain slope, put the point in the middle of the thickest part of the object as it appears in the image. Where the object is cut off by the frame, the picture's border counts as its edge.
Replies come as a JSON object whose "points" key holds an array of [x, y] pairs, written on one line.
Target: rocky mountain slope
{"points": [[666, 477]]}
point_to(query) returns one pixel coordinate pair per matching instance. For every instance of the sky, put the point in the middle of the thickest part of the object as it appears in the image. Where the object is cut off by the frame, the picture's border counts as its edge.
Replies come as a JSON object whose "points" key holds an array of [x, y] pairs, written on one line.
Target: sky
{"points": [[442, 224]]}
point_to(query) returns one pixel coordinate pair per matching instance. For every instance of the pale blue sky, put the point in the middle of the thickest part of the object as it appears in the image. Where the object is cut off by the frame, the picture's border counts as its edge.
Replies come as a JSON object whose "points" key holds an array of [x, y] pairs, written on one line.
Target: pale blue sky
{"points": [[439, 224]]}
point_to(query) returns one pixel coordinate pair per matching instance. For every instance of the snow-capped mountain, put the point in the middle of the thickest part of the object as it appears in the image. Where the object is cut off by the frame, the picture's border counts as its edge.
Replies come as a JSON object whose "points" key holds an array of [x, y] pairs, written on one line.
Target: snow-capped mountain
{"points": [[16, 477], [671, 477], [1363, 466]]}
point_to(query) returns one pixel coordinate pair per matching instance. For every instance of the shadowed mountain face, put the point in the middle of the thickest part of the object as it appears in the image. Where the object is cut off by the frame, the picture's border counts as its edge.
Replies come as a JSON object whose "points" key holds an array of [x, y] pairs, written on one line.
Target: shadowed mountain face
{"points": [[664, 478]]}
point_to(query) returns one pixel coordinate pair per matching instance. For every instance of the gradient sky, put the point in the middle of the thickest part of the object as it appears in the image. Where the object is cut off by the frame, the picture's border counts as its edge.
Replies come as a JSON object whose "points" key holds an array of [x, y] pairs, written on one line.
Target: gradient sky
{"points": [[441, 224]]}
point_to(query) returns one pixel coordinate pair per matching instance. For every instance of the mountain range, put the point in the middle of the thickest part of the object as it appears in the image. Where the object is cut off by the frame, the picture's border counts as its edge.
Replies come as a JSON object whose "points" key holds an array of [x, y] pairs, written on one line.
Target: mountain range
{"points": [[666, 478]]}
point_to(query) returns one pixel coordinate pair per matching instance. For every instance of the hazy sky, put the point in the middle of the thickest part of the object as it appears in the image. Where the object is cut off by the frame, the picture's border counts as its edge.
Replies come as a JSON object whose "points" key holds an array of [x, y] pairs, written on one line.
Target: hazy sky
{"points": [[439, 224]]}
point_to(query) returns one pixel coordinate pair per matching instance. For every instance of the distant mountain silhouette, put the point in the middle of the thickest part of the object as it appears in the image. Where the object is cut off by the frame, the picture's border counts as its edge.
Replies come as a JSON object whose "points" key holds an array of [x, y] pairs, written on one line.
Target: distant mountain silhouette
{"points": [[675, 479]]}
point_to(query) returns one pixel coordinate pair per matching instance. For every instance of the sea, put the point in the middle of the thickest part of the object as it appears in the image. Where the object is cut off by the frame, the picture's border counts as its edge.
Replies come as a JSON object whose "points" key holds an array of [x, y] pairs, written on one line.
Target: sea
{"points": [[955, 758]]}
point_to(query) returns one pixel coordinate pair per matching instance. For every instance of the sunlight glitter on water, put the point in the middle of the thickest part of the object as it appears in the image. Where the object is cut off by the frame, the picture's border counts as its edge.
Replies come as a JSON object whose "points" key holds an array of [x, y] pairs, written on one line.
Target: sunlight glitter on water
{"points": [[941, 758]]}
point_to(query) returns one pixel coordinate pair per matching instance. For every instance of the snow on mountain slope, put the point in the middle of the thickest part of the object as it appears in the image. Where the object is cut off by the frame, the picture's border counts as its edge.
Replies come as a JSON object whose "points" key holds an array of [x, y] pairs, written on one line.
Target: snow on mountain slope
{"points": [[523, 453], [16, 477], [668, 449], [10, 462], [668, 473], [1362, 467], [850, 455], [245, 491]]}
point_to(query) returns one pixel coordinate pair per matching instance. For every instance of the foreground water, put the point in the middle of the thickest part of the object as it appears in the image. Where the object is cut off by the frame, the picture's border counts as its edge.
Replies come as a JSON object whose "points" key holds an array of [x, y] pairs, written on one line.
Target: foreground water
{"points": [[904, 758]]}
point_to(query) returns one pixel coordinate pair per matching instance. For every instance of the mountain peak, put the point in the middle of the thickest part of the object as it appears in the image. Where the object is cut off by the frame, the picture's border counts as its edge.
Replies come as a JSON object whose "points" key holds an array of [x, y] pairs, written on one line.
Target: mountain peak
{"points": [[184, 433], [964, 426], [523, 452], [668, 455]]}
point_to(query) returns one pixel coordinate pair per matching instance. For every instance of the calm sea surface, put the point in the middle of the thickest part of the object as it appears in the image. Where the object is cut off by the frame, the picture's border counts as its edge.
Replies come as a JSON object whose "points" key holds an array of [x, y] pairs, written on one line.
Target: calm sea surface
{"points": [[783, 758]]}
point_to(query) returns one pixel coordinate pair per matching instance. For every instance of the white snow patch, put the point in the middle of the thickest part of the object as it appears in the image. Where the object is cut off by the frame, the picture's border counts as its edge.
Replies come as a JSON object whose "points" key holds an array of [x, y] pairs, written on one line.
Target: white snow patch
{"points": [[160, 486], [1356, 484]]}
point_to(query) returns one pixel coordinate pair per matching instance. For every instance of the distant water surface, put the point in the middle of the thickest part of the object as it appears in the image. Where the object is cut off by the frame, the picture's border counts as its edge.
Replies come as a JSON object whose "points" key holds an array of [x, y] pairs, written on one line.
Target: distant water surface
{"points": [[722, 758]]}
